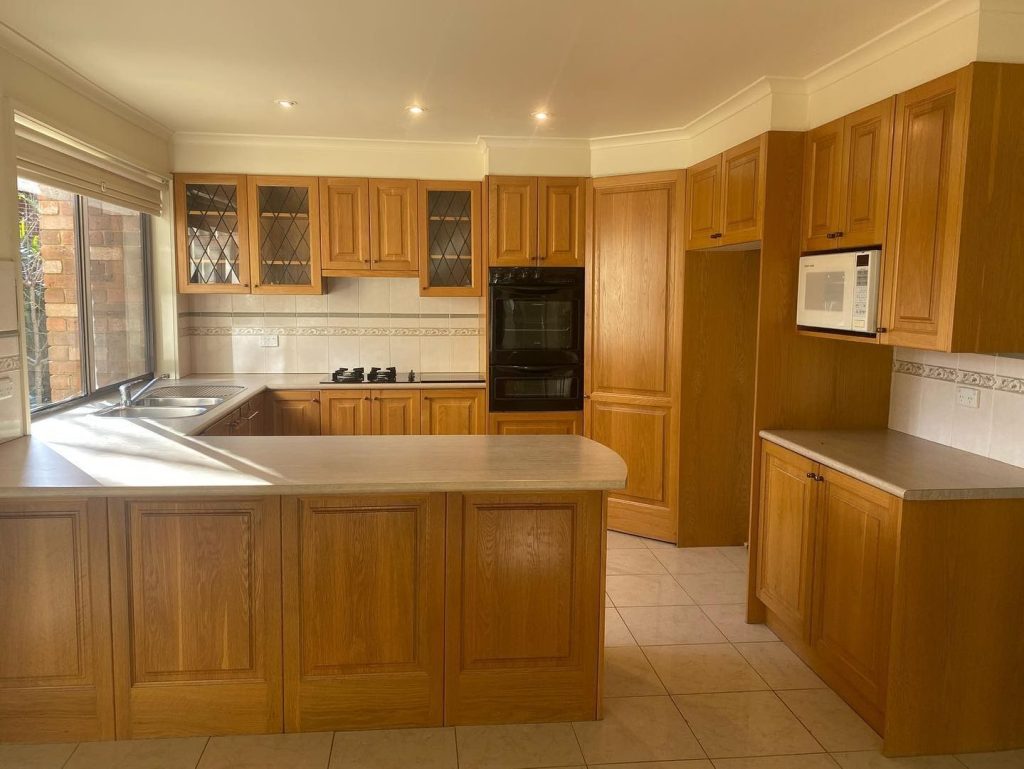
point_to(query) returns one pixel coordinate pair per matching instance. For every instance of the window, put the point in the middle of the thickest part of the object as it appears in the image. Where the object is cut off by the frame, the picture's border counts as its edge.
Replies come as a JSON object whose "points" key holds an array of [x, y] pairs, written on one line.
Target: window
{"points": [[84, 265]]}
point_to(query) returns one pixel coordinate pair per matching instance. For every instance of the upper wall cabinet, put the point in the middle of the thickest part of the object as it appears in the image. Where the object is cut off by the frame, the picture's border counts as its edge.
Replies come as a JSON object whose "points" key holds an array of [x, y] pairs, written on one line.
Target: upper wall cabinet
{"points": [[725, 197], [284, 234], [954, 275], [393, 222], [211, 228], [846, 180], [536, 221], [345, 225], [450, 245]]}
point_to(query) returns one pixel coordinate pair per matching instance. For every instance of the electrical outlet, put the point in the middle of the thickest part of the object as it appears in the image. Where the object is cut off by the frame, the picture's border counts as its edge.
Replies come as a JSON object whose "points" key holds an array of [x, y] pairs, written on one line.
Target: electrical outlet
{"points": [[268, 340], [967, 397], [6, 388]]}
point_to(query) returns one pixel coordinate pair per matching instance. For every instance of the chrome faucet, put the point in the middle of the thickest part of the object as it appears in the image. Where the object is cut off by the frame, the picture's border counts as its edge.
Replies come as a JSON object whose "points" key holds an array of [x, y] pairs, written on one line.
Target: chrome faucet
{"points": [[127, 398]]}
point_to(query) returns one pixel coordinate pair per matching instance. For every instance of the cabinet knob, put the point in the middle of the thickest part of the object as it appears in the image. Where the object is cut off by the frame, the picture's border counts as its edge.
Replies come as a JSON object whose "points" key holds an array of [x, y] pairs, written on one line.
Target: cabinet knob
{"points": [[715, 235], [881, 330]]}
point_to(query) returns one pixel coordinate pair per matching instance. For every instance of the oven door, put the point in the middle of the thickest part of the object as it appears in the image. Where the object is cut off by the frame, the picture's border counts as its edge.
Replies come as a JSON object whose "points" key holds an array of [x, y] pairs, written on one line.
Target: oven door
{"points": [[536, 388], [826, 292], [536, 324]]}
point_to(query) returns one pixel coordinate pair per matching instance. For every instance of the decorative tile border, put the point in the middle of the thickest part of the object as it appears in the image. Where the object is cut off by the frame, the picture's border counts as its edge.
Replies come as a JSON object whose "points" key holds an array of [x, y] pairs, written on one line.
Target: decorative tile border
{"points": [[307, 331], [10, 363], [325, 314], [960, 376]]}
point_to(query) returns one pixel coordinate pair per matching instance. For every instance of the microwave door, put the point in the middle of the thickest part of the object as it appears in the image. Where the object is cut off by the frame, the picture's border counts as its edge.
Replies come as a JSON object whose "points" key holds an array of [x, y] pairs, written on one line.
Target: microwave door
{"points": [[826, 296]]}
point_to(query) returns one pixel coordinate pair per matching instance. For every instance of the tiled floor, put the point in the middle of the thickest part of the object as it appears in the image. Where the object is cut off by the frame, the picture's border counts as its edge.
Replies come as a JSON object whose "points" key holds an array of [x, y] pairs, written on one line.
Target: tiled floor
{"points": [[689, 685]]}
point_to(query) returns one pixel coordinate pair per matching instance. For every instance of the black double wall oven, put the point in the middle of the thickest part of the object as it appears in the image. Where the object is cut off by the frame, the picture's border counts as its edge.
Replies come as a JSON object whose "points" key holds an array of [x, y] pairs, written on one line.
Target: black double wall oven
{"points": [[536, 338]]}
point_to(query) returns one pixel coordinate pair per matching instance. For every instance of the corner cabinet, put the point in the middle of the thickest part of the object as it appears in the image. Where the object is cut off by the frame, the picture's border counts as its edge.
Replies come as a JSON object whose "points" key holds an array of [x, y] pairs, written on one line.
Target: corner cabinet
{"points": [[725, 197], [536, 221], [211, 227], [450, 244]]}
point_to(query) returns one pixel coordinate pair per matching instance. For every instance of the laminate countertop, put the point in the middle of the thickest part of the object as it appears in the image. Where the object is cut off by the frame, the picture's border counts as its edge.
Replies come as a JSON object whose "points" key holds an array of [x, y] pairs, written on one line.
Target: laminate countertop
{"points": [[76, 453], [907, 467]]}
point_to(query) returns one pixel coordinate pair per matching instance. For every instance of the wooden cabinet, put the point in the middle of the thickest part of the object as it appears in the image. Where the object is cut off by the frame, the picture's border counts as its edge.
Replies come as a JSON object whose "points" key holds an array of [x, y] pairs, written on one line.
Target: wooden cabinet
{"points": [[535, 423], [55, 669], [196, 608], [511, 556], [846, 180], [633, 378], [211, 233], [450, 244], [293, 412], [725, 197], [345, 226], [453, 412], [284, 235], [246, 420], [786, 539], [536, 221], [364, 586], [370, 412], [393, 223]]}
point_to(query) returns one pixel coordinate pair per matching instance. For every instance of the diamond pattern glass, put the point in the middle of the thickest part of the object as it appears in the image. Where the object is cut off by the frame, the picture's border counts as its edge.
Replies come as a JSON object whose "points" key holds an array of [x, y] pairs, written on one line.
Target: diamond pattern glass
{"points": [[212, 234], [450, 241], [284, 248]]}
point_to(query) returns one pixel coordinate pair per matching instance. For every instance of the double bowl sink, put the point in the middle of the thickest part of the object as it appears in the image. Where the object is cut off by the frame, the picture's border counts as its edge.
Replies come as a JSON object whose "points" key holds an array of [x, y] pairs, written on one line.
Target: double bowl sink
{"points": [[176, 403]]}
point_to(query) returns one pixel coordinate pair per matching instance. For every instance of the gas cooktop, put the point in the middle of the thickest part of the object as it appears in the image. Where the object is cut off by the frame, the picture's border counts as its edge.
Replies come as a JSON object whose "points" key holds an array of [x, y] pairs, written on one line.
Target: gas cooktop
{"points": [[390, 375]]}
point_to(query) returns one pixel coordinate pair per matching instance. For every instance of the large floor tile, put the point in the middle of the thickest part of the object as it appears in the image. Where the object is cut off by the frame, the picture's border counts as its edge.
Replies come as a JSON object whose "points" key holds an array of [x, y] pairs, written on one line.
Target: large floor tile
{"points": [[615, 631], [873, 760], [745, 724], [695, 560], [617, 540], [806, 761], [268, 751], [693, 763], [832, 722], [725, 587], [629, 561], [395, 749], [181, 753], [35, 756], [739, 556], [779, 666], [731, 619], [646, 590], [1004, 759], [627, 673], [703, 668], [666, 625], [517, 747], [637, 729]]}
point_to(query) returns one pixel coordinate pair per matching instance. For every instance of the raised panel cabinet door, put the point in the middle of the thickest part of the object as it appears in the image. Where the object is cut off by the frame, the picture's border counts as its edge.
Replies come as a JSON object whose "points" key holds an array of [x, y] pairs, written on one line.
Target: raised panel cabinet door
{"points": [[345, 229], [642, 434], [535, 423], [395, 412], [743, 180], [294, 412], [345, 412], [453, 412], [853, 583], [823, 187], [211, 233], [196, 607], [284, 234], [523, 607], [867, 159], [704, 204], [561, 221], [55, 671], [785, 556], [364, 611], [451, 244], [393, 227], [921, 245], [512, 220]]}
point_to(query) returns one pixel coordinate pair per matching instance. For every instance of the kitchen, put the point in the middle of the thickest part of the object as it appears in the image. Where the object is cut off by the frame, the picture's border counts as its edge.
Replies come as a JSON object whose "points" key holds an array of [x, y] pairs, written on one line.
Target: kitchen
{"points": [[486, 445]]}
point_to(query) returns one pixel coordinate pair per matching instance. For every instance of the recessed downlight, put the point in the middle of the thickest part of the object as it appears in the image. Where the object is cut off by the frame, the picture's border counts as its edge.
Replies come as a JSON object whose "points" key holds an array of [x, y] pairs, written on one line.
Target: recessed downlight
{"points": [[540, 115], [415, 109], [285, 103]]}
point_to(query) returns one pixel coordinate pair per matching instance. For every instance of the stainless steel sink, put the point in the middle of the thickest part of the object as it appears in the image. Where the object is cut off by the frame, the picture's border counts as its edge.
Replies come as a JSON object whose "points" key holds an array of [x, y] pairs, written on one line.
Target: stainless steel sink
{"points": [[152, 412], [175, 401]]}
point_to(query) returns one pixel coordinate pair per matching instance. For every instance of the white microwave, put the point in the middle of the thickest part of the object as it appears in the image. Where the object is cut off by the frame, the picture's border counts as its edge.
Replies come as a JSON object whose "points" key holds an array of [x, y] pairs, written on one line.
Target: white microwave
{"points": [[839, 292]]}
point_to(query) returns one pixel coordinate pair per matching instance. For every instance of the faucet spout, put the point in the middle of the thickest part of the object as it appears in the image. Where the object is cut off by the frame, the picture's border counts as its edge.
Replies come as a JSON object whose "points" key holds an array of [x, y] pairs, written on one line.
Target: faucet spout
{"points": [[128, 398]]}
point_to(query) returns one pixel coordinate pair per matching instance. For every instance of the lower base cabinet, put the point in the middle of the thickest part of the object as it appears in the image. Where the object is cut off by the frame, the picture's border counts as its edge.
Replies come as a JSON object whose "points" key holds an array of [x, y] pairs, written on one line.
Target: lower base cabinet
{"points": [[453, 412], [535, 423], [293, 412]]}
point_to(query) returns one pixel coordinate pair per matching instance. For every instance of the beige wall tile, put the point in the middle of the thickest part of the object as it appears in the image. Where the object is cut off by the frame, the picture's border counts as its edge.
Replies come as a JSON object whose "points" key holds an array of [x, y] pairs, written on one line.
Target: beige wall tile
{"points": [[646, 590], [703, 668], [517, 746], [637, 729], [779, 666], [395, 749], [832, 722], [627, 673]]}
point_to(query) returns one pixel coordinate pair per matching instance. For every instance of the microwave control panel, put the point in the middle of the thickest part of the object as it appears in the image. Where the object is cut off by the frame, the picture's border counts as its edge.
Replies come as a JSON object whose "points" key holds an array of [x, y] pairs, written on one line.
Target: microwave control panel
{"points": [[860, 299]]}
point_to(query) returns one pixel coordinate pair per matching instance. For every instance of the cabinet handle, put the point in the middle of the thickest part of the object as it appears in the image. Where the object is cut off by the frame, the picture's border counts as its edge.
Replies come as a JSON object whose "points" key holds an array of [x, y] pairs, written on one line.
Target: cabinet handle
{"points": [[815, 477], [881, 330], [253, 415], [834, 235], [715, 235], [315, 400]]}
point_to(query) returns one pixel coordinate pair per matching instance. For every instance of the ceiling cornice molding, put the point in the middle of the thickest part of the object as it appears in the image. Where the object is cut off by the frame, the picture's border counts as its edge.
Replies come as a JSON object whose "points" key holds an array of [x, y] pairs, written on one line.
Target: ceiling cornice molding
{"points": [[22, 48], [533, 142], [274, 141]]}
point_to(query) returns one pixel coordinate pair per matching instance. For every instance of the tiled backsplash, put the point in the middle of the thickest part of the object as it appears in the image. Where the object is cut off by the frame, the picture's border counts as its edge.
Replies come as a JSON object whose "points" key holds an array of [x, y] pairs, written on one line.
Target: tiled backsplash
{"points": [[359, 322], [924, 401]]}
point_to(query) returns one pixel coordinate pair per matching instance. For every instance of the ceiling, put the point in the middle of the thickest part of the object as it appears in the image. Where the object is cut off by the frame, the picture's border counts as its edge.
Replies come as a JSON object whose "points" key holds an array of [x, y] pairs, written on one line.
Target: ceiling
{"points": [[601, 67]]}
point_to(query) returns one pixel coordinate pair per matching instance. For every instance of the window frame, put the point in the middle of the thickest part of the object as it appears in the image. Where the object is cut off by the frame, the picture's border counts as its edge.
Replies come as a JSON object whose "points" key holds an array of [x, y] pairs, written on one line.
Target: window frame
{"points": [[85, 336]]}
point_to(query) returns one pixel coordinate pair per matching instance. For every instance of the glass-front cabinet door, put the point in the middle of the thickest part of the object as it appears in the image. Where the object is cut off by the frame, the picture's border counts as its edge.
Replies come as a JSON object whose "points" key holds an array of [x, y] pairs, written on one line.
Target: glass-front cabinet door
{"points": [[451, 248], [211, 231], [284, 235]]}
